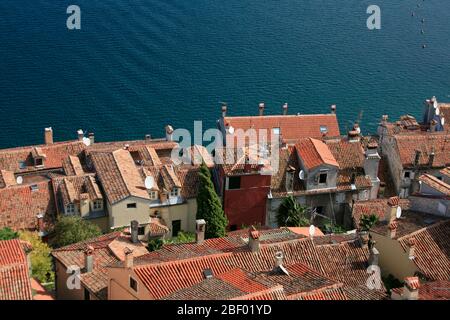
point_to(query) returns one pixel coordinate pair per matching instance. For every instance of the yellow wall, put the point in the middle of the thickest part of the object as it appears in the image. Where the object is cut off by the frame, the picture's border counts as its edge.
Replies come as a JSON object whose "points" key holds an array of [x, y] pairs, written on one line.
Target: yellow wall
{"points": [[62, 292], [119, 285], [121, 216]]}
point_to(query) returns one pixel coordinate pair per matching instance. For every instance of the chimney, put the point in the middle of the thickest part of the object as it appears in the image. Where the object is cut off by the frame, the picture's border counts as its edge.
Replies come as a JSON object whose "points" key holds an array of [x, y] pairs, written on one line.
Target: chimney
{"points": [[200, 228], [261, 109], [134, 231], [391, 211], [431, 159], [169, 132], [279, 257], [285, 109], [91, 137], [148, 137], [373, 256], [247, 165], [333, 109], [417, 157], [129, 258], [363, 239], [80, 135], [411, 288], [48, 136], [392, 229], [89, 259], [353, 136], [433, 125], [224, 111], [253, 239], [411, 248], [40, 224]]}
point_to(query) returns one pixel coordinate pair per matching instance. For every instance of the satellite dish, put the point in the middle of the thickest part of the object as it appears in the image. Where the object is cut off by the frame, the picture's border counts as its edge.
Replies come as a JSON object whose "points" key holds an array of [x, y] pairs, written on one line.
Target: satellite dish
{"points": [[19, 180], [231, 130], [87, 141], [312, 230], [442, 121], [149, 182], [301, 175], [358, 129], [399, 212], [437, 111], [284, 270]]}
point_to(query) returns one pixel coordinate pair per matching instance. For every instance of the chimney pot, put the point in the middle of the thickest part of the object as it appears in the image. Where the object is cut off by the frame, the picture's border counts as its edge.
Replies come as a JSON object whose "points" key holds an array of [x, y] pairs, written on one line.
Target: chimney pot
{"points": [[129, 258], [134, 231], [169, 133], [200, 231], [224, 111], [373, 257], [148, 137], [363, 239], [333, 109], [391, 211], [411, 248], [48, 137], [91, 137], [80, 135], [261, 108], [89, 258], [253, 239], [285, 109], [392, 229], [411, 288]]}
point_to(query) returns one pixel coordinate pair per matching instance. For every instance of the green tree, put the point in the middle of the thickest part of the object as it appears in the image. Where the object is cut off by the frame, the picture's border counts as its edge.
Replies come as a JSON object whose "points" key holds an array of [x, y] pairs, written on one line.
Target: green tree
{"points": [[8, 234], [209, 206], [292, 214], [41, 261], [366, 222], [154, 244], [73, 229]]}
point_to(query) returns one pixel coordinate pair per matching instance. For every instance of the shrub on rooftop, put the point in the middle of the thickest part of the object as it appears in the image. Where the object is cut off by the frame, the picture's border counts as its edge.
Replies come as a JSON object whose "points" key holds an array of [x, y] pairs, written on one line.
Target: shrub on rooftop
{"points": [[8, 234], [366, 222], [73, 229]]}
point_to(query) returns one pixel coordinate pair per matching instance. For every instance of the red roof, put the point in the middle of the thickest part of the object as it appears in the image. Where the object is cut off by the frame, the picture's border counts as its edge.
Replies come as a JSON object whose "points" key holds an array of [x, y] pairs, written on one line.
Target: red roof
{"points": [[314, 153]]}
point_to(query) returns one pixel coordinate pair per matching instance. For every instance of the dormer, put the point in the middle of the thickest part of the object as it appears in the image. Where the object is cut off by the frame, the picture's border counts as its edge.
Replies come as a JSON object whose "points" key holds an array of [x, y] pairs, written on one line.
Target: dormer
{"points": [[38, 157]]}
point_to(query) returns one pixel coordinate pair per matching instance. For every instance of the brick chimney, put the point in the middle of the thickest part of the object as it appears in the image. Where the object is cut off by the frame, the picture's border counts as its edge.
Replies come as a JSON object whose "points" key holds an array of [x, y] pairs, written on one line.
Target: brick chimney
{"points": [[200, 228], [411, 248], [91, 137], [134, 231], [411, 288], [261, 108], [169, 133], [224, 111], [129, 258], [391, 211], [48, 135], [253, 239], [285, 109], [89, 259], [80, 135], [392, 229], [333, 109]]}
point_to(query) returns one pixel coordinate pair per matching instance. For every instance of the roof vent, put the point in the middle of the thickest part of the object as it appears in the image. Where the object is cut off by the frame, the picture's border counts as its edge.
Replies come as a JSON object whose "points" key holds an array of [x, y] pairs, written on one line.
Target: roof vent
{"points": [[208, 274]]}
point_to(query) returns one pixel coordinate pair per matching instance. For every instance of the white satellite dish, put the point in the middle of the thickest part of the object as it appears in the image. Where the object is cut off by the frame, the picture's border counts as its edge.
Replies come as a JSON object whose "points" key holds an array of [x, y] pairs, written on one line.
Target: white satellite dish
{"points": [[231, 130], [442, 121], [149, 182], [19, 180], [301, 175], [87, 141], [399, 212], [437, 111], [312, 230]]}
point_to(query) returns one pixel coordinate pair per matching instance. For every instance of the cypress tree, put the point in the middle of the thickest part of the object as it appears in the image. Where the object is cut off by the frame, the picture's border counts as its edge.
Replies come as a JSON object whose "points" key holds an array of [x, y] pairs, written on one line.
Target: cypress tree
{"points": [[209, 206]]}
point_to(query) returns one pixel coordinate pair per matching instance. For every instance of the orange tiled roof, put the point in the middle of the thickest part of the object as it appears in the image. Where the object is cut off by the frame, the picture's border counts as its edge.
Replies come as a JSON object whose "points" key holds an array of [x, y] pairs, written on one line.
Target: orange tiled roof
{"points": [[72, 166], [377, 207], [292, 127], [14, 275], [435, 183], [314, 153]]}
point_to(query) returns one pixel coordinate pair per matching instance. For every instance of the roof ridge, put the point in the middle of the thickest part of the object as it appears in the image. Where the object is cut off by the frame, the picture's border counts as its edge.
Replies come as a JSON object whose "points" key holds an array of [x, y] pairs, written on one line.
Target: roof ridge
{"points": [[120, 169], [434, 225]]}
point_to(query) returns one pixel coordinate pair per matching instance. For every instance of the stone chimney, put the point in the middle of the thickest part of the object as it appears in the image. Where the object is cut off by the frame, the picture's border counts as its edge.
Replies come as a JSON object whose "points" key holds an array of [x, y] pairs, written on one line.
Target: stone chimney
{"points": [[411, 288], [392, 230], [40, 225], [431, 159], [363, 237], [134, 231], [391, 211], [200, 228], [353, 136], [411, 248], [89, 259], [148, 137], [261, 108], [169, 133], [253, 239], [224, 111], [417, 157], [80, 135], [333, 109], [279, 257], [48, 135], [129, 258], [371, 165], [285, 109], [373, 256], [91, 137]]}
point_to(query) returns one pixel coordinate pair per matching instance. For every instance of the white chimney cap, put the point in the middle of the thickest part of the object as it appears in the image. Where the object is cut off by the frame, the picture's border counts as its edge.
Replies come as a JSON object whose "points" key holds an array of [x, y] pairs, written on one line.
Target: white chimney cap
{"points": [[48, 129]]}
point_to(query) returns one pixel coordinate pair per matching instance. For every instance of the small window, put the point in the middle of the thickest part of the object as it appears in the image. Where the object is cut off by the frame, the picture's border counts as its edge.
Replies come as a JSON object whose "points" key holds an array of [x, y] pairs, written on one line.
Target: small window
{"points": [[276, 131], [323, 178], [133, 284], [407, 174], [131, 206], [70, 209], [323, 129], [174, 192], [176, 227], [38, 162], [34, 187], [233, 227], [153, 195], [141, 230], [234, 183], [22, 165], [98, 205]]}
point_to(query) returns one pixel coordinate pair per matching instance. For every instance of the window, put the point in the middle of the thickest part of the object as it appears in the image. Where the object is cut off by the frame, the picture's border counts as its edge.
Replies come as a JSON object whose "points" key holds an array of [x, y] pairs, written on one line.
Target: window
{"points": [[174, 192], [153, 195], [98, 205], [233, 227], [34, 187], [176, 227], [70, 209], [276, 131], [22, 165], [323, 178], [38, 162], [141, 230], [234, 183], [131, 205], [319, 210], [133, 284], [407, 174], [323, 129]]}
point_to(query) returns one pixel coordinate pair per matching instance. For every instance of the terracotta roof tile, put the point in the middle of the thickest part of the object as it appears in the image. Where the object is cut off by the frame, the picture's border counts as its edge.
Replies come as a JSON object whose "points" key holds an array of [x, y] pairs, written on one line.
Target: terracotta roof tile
{"points": [[313, 153], [435, 183]]}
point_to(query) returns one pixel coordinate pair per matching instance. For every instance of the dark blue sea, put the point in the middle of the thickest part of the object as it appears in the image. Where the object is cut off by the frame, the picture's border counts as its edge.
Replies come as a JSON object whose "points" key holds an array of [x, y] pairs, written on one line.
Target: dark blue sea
{"points": [[137, 65]]}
